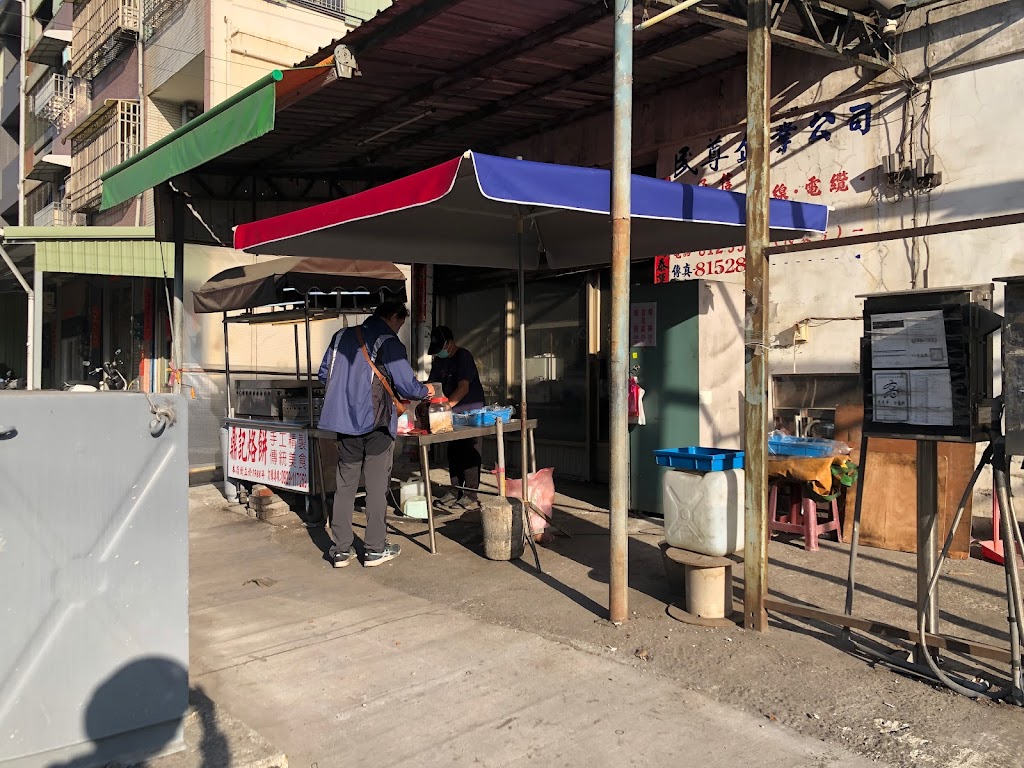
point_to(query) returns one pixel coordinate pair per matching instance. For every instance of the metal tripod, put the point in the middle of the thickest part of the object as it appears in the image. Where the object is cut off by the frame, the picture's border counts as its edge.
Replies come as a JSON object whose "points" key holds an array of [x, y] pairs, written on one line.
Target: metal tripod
{"points": [[925, 663]]}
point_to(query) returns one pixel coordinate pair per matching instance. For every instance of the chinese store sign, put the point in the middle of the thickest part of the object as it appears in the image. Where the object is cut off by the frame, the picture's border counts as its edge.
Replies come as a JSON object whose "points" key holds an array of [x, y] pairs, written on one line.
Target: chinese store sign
{"points": [[723, 264], [643, 325], [280, 459]]}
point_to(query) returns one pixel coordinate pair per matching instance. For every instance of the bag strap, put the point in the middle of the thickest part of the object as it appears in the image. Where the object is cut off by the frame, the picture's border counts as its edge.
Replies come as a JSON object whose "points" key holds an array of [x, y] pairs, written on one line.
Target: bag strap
{"points": [[380, 376]]}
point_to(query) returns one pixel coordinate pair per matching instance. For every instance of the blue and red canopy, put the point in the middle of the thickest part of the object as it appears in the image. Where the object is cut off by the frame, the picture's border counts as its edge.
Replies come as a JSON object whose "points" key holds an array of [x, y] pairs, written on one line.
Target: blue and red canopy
{"points": [[463, 212]]}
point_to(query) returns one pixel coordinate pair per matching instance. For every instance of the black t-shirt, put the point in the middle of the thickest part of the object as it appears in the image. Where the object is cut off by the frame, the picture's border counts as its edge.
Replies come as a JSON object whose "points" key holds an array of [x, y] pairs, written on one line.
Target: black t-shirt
{"points": [[461, 366]]}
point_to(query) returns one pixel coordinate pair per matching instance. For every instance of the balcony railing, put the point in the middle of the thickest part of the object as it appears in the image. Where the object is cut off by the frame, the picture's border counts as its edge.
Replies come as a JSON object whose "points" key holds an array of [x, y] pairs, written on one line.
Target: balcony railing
{"points": [[100, 30], [56, 214], [334, 8], [156, 14], [108, 138], [54, 99]]}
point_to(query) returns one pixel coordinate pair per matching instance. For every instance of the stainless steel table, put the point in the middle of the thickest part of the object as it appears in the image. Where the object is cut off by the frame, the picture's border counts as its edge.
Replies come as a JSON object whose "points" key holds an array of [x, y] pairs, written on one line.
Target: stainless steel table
{"points": [[461, 433]]}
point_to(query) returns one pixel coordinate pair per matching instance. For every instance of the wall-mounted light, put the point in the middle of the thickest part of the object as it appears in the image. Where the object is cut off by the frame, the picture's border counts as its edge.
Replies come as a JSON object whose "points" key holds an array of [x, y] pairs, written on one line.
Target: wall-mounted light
{"points": [[889, 9], [920, 177]]}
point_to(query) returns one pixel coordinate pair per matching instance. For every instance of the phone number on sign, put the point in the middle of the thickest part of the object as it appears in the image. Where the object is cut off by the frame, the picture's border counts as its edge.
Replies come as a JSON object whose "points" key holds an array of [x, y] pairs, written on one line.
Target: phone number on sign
{"points": [[708, 268]]}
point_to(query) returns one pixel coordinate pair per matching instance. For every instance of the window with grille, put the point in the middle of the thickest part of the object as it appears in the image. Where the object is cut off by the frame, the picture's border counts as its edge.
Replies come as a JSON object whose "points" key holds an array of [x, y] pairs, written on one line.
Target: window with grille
{"points": [[156, 14], [100, 31], [111, 139]]}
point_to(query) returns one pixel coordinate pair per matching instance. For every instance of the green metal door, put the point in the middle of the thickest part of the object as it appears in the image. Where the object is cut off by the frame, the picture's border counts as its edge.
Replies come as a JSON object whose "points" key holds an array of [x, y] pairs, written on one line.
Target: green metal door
{"points": [[668, 370]]}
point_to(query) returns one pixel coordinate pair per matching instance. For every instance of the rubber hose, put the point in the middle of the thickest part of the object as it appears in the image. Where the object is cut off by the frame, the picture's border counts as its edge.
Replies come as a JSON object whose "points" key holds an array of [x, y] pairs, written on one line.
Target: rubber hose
{"points": [[962, 686]]}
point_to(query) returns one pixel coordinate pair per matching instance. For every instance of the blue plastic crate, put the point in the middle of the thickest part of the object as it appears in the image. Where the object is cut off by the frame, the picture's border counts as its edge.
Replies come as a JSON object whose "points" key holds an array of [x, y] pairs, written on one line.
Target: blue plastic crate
{"points": [[806, 447], [699, 459]]}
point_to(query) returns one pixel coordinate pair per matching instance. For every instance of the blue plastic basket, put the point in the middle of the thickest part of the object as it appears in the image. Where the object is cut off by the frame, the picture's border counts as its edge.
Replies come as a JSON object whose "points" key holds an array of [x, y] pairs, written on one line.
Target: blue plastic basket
{"points": [[699, 459], [806, 447]]}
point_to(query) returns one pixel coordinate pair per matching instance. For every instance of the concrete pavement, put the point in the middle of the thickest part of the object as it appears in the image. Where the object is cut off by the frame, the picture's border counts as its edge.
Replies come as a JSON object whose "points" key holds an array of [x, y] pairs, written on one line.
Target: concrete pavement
{"points": [[336, 669]]}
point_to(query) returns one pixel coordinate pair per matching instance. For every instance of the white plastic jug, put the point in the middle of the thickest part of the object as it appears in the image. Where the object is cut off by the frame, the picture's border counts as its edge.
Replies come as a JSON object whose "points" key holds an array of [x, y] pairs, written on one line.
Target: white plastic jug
{"points": [[413, 488], [704, 511]]}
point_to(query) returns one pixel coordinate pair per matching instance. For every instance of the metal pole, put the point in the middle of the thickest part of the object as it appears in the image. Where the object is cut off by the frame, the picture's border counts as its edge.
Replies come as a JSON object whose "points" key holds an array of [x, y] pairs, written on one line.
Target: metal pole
{"points": [[524, 465], [309, 363], [36, 363], [755, 403], [499, 432], [227, 365], [30, 334], [298, 365], [178, 330], [858, 507], [927, 535], [618, 418]]}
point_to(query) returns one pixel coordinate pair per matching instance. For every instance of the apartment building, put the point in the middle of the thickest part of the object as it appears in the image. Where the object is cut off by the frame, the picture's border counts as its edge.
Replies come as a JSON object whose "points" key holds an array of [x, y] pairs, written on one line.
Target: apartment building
{"points": [[10, 109], [86, 85]]}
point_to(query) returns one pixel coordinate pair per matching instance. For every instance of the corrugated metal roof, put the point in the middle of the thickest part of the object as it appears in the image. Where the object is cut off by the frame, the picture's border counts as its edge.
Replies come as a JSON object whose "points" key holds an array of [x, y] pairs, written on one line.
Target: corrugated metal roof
{"points": [[437, 77]]}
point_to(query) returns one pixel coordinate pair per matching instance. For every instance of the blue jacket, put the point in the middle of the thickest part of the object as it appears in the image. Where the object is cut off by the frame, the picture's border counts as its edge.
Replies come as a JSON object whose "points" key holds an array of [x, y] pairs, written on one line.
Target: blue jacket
{"points": [[348, 402]]}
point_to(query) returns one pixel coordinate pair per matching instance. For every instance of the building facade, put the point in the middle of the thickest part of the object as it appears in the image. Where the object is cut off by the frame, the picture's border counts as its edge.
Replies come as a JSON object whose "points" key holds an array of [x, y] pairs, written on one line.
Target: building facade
{"points": [[88, 84], [931, 140]]}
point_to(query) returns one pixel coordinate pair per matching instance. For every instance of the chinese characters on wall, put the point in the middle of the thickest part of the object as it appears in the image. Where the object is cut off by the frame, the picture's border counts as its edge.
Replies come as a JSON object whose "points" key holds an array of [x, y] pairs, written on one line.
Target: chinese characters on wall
{"points": [[643, 325], [823, 178], [713, 169]]}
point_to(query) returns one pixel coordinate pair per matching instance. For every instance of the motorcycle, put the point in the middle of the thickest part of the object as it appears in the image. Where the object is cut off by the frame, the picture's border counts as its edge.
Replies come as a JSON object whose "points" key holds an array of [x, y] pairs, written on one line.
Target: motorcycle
{"points": [[8, 380], [110, 378]]}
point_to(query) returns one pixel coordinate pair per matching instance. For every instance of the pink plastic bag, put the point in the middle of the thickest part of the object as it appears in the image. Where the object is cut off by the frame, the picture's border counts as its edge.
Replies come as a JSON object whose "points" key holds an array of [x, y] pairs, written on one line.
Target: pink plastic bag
{"points": [[542, 494]]}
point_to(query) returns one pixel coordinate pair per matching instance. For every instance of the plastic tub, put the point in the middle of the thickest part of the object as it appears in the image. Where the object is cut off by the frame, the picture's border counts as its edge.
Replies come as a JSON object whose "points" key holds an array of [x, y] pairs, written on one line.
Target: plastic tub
{"points": [[807, 447], [704, 511], [699, 459]]}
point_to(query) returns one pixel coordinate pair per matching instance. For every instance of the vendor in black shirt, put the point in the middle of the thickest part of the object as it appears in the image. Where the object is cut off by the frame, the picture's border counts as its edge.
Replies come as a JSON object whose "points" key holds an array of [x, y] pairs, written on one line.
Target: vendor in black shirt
{"points": [[455, 370]]}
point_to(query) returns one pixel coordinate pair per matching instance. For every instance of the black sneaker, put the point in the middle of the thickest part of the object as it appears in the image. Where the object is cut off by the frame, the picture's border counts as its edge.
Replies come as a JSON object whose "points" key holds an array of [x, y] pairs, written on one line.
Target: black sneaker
{"points": [[340, 559], [447, 500], [378, 556], [466, 503]]}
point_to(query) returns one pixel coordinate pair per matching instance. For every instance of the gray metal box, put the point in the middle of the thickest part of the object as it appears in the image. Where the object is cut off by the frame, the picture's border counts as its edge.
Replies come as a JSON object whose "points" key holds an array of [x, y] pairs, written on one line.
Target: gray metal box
{"points": [[926, 363], [264, 397], [94, 568]]}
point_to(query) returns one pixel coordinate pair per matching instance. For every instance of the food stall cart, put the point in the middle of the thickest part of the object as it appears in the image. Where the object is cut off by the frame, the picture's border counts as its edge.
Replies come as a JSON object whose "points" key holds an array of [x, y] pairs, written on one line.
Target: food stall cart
{"points": [[271, 423]]}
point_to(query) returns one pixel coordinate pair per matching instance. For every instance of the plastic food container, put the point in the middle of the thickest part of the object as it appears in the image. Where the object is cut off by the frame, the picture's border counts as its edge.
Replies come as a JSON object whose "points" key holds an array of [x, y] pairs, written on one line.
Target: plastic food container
{"points": [[703, 511], [439, 416], [487, 417], [807, 447], [700, 459]]}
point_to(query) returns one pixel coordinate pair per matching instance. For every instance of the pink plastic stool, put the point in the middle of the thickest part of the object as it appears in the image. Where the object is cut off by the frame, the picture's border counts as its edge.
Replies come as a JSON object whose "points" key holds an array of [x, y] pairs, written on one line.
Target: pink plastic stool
{"points": [[802, 516]]}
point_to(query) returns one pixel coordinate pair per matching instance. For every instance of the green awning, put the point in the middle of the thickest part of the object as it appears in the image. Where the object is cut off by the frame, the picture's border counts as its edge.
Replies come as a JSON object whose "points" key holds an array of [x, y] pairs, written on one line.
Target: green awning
{"points": [[122, 251], [237, 120], [125, 258]]}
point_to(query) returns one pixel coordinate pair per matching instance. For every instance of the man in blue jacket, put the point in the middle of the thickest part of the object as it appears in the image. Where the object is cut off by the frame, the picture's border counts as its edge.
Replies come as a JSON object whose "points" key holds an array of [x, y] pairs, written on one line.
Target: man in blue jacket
{"points": [[359, 407]]}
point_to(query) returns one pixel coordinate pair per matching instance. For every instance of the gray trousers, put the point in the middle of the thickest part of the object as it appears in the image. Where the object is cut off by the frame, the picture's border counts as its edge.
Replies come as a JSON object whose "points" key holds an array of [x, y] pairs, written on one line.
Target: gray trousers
{"points": [[373, 455]]}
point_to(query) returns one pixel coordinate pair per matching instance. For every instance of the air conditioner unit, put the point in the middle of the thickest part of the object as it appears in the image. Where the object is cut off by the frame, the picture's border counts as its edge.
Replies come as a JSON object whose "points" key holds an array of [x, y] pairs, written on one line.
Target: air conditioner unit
{"points": [[79, 220], [189, 111]]}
